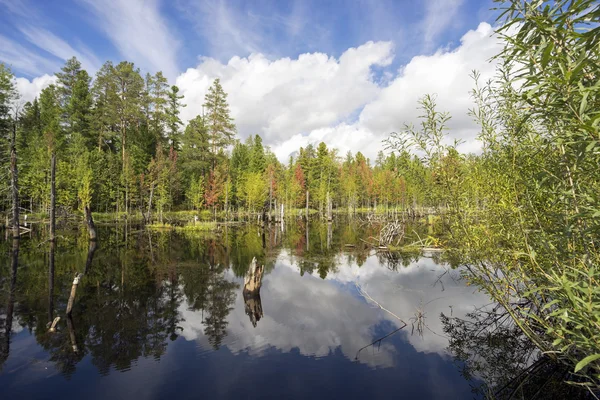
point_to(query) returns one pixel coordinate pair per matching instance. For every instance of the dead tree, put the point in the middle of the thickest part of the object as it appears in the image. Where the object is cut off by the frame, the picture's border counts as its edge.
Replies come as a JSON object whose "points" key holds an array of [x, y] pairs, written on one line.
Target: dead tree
{"points": [[7, 328], [251, 292], [307, 204], [77, 279], [89, 221], [14, 173], [52, 197]]}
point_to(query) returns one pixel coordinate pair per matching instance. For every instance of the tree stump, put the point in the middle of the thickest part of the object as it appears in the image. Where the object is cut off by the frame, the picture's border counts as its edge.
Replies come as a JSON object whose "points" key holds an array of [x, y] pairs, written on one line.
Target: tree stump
{"points": [[251, 292]]}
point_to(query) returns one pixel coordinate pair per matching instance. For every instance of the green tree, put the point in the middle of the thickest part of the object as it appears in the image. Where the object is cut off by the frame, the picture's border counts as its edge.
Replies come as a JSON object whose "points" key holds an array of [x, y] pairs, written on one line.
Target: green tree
{"points": [[255, 190], [173, 121], [221, 129]]}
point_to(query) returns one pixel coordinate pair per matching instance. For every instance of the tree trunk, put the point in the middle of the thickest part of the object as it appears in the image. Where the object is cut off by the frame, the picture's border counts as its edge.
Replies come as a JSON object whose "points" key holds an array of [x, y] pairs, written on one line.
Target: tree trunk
{"points": [[251, 292], [71, 330], [14, 173], [51, 283], [329, 216], [53, 197], [90, 256], [73, 293], [90, 223], [270, 198], [5, 344], [307, 204]]}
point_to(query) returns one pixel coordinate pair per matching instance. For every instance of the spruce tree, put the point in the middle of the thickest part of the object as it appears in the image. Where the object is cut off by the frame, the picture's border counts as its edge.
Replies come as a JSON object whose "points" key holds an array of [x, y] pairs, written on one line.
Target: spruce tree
{"points": [[220, 125]]}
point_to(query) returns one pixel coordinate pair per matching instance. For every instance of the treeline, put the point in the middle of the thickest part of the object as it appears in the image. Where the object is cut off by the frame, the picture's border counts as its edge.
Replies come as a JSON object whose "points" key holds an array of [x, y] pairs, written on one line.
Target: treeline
{"points": [[120, 146]]}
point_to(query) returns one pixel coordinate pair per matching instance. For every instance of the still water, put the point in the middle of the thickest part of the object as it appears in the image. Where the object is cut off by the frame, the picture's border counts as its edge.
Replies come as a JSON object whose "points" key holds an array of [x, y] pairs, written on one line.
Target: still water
{"points": [[162, 314]]}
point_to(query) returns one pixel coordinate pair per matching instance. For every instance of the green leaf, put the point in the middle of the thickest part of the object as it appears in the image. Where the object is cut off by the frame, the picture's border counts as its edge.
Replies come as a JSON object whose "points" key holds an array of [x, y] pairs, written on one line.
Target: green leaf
{"points": [[546, 54], [583, 105], [586, 361]]}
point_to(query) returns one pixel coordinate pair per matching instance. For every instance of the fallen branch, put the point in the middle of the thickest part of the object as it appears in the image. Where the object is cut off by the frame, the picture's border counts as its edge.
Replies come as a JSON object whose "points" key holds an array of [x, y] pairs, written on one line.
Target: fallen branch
{"points": [[378, 341], [368, 297]]}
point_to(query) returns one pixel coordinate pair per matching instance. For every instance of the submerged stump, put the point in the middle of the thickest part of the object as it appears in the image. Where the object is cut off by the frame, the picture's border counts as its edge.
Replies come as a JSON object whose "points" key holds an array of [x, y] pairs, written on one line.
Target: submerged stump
{"points": [[251, 292]]}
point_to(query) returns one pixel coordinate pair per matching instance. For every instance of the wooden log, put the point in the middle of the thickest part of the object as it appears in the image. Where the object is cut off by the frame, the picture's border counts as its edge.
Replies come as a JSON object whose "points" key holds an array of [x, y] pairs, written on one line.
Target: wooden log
{"points": [[73, 293]]}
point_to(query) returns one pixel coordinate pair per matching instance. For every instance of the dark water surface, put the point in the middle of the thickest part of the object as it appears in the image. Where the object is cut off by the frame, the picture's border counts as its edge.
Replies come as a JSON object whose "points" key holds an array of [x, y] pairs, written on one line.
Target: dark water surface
{"points": [[162, 315]]}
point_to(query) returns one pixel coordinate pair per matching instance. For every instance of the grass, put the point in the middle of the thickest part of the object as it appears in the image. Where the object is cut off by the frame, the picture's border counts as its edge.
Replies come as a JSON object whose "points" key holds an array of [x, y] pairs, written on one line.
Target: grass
{"points": [[199, 226]]}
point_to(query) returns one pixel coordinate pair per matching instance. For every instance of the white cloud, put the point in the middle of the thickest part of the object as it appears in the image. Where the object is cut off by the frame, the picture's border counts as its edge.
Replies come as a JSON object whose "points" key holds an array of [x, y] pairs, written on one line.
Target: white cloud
{"points": [[282, 98], [445, 74], [30, 89], [340, 319], [294, 102], [56, 46], [139, 32], [20, 58]]}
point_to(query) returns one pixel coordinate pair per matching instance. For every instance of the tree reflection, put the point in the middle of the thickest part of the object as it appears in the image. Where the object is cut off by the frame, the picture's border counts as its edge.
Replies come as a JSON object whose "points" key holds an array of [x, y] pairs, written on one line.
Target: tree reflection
{"points": [[501, 363], [7, 322], [129, 300]]}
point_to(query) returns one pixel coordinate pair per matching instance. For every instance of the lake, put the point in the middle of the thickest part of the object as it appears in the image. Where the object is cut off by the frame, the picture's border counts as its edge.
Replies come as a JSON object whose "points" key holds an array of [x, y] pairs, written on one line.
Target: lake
{"points": [[161, 314]]}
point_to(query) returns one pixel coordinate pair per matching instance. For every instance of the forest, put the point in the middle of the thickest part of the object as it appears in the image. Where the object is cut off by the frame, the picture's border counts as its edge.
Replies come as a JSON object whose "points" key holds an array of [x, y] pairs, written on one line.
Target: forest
{"points": [[120, 146], [522, 216]]}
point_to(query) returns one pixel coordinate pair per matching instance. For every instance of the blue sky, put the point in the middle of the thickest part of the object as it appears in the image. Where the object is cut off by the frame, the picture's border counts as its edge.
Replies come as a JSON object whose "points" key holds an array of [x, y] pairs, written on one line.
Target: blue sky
{"points": [[223, 29], [315, 66]]}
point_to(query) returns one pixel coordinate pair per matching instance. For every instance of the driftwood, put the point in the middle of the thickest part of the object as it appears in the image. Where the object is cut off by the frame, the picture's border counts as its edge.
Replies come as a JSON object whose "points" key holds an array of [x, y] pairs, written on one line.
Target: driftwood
{"points": [[251, 292], [391, 233]]}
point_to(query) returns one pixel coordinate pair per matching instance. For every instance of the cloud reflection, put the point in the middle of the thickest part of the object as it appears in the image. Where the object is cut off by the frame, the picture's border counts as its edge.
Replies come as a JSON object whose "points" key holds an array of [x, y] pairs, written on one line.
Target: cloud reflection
{"points": [[318, 317]]}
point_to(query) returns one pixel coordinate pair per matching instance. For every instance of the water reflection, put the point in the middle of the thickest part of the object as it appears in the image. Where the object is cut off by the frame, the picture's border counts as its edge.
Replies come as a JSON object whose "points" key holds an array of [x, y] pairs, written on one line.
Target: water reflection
{"points": [[177, 298]]}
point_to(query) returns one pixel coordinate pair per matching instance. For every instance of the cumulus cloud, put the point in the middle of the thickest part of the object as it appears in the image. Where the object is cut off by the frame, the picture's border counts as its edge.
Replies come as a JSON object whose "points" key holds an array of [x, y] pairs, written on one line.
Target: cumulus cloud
{"points": [[30, 89], [285, 97], [340, 319], [445, 74], [351, 103], [294, 102]]}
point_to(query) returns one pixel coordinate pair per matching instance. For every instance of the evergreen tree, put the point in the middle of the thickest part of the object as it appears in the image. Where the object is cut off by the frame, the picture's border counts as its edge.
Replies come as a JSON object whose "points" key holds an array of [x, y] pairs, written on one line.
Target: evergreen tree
{"points": [[195, 150], [173, 121], [257, 155], [221, 128]]}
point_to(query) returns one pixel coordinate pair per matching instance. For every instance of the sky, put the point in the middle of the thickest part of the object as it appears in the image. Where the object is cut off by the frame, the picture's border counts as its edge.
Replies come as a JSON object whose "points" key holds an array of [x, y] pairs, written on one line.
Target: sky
{"points": [[296, 72]]}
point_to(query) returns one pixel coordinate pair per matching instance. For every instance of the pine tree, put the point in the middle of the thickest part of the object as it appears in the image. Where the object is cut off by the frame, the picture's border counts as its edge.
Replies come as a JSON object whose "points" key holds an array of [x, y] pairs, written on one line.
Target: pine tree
{"points": [[173, 120], [195, 150], [80, 109], [257, 155], [220, 125], [104, 113]]}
